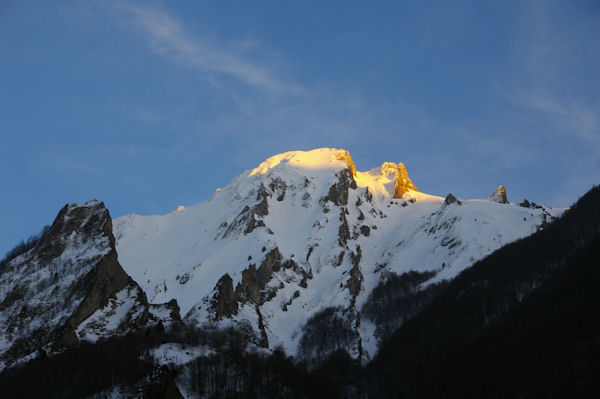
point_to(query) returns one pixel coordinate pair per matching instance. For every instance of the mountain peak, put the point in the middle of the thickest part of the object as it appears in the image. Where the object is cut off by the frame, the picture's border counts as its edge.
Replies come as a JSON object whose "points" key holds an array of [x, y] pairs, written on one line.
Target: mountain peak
{"points": [[70, 287], [317, 159], [305, 231], [499, 195], [389, 180], [398, 173]]}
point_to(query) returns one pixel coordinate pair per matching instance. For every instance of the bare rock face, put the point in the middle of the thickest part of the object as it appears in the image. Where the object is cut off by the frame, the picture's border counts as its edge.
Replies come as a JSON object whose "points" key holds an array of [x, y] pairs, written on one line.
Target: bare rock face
{"points": [[254, 280], [253, 289], [223, 302], [344, 229], [451, 199], [67, 288], [365, 230], [102, 282], [499, 195], [524, 203], [398, 173], [249, 219], [355, 281], [338, 192]]}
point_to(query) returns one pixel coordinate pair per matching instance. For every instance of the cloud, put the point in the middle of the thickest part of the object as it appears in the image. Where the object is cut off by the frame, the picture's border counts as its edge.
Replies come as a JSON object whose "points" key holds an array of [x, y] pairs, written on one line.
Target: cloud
{"points": [[168, 38], [552, 57], [581, 119]]}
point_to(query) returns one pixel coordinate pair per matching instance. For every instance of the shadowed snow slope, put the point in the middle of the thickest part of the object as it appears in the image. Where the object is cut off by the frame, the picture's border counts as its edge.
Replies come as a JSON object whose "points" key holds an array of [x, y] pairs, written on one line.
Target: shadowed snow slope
{"points": [[305, 231]]}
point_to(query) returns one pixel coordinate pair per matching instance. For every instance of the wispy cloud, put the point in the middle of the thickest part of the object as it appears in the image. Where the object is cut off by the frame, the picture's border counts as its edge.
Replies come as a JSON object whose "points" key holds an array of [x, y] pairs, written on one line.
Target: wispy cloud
{"points": [[550, 58], [572, 115], [167, 37]]}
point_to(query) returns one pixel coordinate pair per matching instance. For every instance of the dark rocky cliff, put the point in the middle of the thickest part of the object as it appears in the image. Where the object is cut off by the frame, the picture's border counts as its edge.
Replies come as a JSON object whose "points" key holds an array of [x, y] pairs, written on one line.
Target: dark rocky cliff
{"points": [[68, 288]]}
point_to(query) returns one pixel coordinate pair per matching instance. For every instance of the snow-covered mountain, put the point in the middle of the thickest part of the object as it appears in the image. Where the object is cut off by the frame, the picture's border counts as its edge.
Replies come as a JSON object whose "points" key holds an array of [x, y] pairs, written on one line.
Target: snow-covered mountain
{"points": [[305, 232], [70, 288]]}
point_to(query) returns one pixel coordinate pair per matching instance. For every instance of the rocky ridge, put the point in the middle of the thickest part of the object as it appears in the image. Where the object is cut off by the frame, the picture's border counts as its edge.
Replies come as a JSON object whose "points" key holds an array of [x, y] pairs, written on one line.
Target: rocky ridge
{"points": [[70, 287]]}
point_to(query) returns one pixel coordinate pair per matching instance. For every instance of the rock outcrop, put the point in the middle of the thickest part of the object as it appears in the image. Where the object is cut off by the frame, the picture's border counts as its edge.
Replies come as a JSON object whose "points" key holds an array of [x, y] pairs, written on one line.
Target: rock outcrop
{"points": [[354, 283], [398, 173], [249, 219], [451, 199], [499, 195], [338, 192], [223, 302], [254, 287], [344, 155]]}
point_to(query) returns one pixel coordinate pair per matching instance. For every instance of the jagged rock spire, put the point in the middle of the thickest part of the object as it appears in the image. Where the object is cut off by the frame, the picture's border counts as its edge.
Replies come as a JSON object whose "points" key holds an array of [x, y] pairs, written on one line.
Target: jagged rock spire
{"points": [[499, 195], [451, 199], [403, 182]]}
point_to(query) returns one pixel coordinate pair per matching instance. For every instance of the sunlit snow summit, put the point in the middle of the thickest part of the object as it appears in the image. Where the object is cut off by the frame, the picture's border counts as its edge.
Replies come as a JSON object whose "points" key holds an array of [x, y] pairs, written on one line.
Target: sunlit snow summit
{"points": [[306, 232]]}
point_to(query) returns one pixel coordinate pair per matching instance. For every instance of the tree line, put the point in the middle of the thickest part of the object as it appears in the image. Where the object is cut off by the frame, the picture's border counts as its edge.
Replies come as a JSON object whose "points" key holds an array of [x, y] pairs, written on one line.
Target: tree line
{"points": [[22, 247]]}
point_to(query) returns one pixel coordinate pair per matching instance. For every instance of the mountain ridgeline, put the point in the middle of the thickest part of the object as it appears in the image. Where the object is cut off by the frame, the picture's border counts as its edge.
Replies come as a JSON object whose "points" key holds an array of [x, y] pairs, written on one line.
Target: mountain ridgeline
{"points": [[305, 277], [307, 231]]}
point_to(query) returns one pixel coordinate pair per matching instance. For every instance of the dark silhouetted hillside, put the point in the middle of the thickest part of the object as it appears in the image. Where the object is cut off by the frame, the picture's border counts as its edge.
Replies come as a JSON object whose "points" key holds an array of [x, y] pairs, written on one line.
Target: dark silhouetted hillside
{"points": [[524, 322]]}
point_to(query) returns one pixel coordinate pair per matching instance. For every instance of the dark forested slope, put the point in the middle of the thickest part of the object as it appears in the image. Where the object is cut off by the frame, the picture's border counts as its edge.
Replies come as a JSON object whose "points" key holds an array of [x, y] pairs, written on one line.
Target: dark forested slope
{"points": [[523, 322]]}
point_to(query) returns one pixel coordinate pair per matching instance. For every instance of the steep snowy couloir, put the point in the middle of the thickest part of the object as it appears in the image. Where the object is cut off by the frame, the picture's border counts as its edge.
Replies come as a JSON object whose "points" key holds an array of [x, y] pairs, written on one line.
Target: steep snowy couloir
{"points": [[304, 232]]}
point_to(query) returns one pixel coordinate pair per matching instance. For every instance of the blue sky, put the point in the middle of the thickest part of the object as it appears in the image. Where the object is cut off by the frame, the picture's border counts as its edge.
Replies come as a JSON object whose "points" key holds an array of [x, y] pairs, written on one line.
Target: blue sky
{"points": [[149, 105]]}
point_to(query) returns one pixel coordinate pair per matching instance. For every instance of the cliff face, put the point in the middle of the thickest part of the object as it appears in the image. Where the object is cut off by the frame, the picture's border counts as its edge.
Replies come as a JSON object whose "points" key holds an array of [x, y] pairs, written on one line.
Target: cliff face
{"points": [[68, 288], [397, 172]]}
